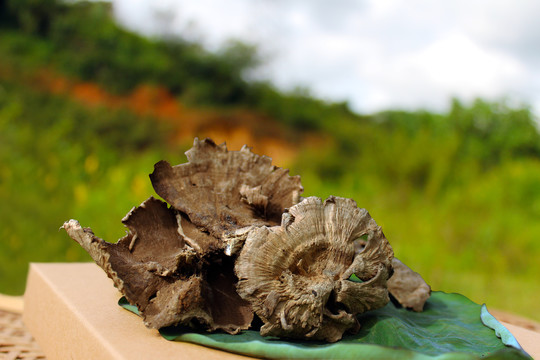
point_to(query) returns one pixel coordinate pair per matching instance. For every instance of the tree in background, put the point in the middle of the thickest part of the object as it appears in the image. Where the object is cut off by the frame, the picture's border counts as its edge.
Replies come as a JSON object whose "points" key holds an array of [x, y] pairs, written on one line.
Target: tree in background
{"points": [[32, 16]]}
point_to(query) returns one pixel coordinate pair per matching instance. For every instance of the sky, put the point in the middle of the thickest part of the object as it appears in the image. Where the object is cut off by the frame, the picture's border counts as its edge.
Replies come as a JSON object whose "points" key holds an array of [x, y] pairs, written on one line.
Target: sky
{"points": [[374, 54]]}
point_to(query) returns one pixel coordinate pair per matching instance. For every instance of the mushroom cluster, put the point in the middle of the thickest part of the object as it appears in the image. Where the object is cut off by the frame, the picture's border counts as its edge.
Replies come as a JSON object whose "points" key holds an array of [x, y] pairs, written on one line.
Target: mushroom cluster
{"points": [[235, 239]]}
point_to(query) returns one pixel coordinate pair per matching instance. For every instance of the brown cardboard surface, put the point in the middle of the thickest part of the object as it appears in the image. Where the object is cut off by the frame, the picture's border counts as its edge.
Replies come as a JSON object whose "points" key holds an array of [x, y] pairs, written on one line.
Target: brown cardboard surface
{"points": [[528, 339], [71, 311], [12, 304]]}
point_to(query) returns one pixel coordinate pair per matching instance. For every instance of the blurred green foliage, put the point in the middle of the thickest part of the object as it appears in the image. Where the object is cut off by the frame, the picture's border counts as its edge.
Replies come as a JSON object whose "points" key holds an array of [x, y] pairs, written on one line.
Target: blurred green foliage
{"points": [[457, 194], [59, 160]]}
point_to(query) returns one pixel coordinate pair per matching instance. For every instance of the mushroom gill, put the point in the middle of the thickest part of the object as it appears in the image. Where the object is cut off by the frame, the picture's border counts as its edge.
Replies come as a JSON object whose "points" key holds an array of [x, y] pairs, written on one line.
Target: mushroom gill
{"points": [[304, 278]]}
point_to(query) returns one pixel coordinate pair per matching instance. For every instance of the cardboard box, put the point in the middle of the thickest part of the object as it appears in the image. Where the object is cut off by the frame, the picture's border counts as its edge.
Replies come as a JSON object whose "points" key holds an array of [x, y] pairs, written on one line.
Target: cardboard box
{"points": [[72, 311]]}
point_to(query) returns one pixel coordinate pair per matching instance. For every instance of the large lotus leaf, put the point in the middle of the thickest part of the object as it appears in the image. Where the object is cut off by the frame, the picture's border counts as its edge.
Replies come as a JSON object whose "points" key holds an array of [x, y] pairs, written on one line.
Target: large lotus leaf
{"points": [[450, 327]]}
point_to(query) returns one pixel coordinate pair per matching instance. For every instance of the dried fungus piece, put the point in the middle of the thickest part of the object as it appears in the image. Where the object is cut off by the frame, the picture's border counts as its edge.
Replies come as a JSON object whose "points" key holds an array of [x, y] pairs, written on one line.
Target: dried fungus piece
{"points": [[405, 286], [163, 275], [224, 191], [304, 278], [408, 287]]}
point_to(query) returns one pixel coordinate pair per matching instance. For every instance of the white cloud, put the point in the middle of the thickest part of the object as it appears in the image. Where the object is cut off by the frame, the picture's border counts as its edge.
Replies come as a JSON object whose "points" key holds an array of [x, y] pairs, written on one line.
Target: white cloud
{"points": [[452, 65], [375, 53]]}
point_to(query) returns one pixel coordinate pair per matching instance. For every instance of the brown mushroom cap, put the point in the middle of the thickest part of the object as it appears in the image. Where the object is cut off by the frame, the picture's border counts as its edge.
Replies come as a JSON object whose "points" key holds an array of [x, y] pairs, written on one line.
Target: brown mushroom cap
{"points": [[166, 278], [223, 191], [408, 287], [297, 275]]}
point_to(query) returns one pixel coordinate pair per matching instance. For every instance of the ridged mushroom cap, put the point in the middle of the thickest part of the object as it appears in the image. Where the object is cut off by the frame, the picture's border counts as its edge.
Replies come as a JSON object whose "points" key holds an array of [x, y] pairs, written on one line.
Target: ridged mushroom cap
{"points": [[304, 278], [223, 191]]}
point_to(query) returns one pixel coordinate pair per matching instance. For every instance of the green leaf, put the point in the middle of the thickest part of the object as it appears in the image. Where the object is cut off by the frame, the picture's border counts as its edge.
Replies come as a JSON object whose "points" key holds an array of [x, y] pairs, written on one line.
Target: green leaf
{"points": [[126, 305], [450, 327], [500, 331], [355, 278]]}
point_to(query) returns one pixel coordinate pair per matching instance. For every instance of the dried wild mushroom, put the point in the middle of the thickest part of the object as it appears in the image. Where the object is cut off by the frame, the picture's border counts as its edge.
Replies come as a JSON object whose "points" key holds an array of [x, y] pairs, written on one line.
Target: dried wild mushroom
{"points": [[224, 191], [408, 287], [405, 286], [162, 275], [218, 254], [304, 278]]}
